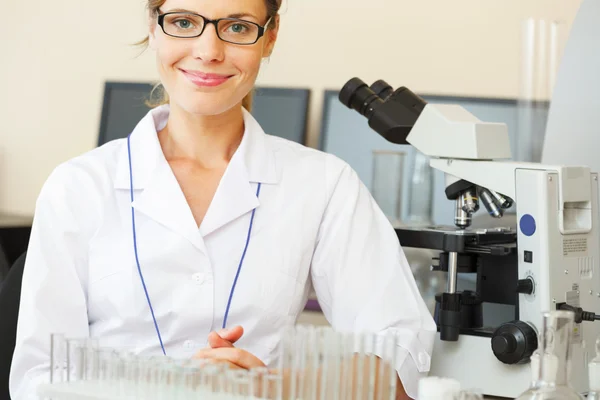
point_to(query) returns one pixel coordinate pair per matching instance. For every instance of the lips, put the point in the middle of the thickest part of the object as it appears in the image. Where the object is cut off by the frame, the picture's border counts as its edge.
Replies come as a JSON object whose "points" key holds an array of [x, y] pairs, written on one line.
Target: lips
{"points": [[204, 78]]}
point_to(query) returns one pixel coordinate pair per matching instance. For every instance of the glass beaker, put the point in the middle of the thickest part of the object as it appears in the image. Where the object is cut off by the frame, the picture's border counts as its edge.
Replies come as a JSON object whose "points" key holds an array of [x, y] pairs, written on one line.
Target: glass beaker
{"points": [[420, 190], [438, 388], [594, 374], [387, 187], [554, 349], [543, 42]]}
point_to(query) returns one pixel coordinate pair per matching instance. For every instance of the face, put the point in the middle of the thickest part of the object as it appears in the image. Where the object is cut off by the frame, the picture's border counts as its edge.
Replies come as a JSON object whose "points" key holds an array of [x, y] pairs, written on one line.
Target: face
{"points": [[205, 75]]}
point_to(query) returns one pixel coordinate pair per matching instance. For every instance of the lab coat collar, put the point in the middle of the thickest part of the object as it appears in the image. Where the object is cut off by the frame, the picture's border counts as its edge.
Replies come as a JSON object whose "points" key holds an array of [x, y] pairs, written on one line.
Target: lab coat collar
{"points": [[161, 197], [256, 152]]}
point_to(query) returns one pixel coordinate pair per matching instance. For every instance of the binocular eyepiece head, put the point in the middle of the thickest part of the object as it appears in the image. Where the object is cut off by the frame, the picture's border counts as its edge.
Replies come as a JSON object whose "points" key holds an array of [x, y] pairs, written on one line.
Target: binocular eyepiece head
{"points": [[391, 113]]}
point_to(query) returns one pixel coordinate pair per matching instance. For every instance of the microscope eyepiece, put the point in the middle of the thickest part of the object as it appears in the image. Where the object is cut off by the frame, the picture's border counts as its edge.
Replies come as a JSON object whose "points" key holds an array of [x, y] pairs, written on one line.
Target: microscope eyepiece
{"points": [[382, 89], [358, 96]]}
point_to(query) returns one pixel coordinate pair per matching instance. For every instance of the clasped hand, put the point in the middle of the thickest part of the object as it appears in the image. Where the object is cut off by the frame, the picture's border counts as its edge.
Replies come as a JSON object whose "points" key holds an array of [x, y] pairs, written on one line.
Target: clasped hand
{"points": [[221, 349]]}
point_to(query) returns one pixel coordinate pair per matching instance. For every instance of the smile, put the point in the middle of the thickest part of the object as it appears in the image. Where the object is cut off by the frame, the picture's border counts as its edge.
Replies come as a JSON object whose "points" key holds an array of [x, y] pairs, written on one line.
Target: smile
{"points": [[203, 79]]}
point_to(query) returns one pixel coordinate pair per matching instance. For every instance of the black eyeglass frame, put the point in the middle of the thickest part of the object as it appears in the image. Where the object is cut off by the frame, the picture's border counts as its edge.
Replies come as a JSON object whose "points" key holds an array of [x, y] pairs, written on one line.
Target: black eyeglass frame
{"points": [[215, 22]]}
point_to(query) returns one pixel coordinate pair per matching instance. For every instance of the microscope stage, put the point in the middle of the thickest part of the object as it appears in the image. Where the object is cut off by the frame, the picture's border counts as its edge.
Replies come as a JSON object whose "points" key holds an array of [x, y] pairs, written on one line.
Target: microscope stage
{"points": [[494, 241]]}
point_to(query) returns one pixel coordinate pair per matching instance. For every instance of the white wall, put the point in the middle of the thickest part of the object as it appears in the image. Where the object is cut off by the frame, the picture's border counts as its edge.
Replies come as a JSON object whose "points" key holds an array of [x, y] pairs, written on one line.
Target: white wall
{"points": [[57, 55]]}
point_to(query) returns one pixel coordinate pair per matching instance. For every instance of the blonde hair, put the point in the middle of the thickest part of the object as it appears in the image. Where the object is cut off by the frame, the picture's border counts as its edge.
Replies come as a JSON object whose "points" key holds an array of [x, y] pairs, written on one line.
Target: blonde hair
{"points": [[159, 96]]}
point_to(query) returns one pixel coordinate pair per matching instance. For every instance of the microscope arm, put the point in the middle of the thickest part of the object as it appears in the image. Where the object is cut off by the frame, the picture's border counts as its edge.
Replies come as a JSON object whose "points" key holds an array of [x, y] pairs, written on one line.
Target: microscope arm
{"points": [[496, 175], [574, 190]]}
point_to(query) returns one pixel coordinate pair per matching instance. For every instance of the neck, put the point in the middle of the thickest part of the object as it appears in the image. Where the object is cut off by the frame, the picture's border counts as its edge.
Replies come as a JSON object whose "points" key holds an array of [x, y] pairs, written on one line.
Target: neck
{"points": [[209, 141]]}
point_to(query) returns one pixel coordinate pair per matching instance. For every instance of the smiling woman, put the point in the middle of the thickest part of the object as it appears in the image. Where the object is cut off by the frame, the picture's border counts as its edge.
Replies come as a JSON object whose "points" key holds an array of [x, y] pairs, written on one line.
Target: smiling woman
{"points": [[200, 235]]}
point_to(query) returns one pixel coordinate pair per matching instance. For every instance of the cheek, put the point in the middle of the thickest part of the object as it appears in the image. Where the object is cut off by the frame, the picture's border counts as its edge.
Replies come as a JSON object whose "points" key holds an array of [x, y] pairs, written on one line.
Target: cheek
{"points": [[246, 60], [170, 53]]}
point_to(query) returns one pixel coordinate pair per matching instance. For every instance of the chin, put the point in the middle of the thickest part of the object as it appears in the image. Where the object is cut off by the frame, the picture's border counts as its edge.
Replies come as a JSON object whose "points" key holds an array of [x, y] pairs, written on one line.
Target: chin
{"points": [[206, 104]]}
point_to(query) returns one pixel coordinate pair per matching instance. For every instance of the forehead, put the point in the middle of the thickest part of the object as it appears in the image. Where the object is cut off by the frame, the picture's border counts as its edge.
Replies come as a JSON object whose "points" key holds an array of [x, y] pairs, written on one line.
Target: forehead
{"points": [[218, 8]]}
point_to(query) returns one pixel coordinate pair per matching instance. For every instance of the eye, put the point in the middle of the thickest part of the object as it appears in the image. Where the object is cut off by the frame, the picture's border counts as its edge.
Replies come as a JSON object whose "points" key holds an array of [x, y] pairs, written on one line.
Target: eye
{"points": [[238, 28], [183, 24]]}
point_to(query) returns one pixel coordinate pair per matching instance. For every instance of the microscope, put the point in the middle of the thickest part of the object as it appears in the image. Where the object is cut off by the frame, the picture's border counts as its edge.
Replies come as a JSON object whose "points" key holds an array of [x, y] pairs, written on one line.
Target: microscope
{"points": [[548, 261]]}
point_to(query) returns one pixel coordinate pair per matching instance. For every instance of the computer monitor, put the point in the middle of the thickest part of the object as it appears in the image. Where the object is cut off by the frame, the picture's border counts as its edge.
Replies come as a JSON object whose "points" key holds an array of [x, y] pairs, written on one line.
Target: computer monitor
{"points": [[346, 134], [280, 111], [123, 107]]}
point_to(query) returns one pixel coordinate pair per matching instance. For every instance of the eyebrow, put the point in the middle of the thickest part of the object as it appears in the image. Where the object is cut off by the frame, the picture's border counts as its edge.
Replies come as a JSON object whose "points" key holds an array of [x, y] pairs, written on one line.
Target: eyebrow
{"points": [[236, 15]]}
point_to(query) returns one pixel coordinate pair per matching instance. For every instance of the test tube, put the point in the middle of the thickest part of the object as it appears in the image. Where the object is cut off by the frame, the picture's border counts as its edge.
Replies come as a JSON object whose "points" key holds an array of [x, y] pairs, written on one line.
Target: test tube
{"points": [[390, 354], [358, 364], [272, 386], [334, 351], [324, 382], [371, 364], [166, 379], [58, 356], [215, 378], [347, 361], [242, 386], [313, 364], [295, 354], [192, 374], [255, 375], [131, 374], [146, 371], [79, 352]]}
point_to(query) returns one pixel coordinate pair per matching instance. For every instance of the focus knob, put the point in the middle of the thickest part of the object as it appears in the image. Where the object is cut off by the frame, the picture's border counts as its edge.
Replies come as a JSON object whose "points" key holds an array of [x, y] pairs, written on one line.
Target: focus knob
{"points": [[514, 342], [525, 286]]}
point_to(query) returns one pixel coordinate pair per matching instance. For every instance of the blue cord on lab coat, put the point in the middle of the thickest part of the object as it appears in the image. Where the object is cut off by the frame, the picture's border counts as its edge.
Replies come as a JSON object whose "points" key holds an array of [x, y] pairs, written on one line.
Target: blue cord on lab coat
{"points": [[138, 261]]}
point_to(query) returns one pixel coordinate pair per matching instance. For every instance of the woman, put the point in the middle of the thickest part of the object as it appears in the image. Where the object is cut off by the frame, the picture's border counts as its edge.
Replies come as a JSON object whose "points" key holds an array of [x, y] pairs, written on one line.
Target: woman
{"points": [[200, 221]]}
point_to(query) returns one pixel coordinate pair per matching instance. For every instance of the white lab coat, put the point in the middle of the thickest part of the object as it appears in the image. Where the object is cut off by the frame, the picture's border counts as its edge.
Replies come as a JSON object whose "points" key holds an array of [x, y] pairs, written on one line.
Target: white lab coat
{"points": [[315, 224]]}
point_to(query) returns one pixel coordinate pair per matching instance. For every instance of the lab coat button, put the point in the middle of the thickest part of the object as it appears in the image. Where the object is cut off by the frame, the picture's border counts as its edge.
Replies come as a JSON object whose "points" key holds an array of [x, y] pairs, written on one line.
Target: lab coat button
{"points": [[189, 344], [198, 278]]}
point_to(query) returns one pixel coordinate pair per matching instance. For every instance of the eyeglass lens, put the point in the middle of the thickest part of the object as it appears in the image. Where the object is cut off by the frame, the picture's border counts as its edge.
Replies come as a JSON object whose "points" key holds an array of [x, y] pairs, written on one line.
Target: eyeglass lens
{"points": [[190, 25]]}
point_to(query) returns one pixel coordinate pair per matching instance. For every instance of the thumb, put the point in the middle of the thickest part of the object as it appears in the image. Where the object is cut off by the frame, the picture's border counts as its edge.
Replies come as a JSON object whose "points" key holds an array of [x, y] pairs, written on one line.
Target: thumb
{"points": [[232, 334], [225, 337]]}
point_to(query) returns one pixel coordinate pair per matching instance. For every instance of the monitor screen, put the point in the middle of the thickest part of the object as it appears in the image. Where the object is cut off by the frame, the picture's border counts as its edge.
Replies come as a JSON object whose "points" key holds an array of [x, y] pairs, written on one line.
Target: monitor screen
{"points": [[123, 107], [346, 134], [280, 111]]}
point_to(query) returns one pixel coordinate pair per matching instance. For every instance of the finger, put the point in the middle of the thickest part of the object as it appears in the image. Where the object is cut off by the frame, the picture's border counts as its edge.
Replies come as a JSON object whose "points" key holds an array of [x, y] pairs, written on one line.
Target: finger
{"points": [[226, 364], [215, 341], [236, 356]]}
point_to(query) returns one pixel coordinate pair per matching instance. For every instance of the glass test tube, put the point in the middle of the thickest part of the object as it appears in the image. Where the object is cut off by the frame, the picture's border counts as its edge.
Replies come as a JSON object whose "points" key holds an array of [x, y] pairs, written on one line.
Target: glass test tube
{"points": [[58, 356]]}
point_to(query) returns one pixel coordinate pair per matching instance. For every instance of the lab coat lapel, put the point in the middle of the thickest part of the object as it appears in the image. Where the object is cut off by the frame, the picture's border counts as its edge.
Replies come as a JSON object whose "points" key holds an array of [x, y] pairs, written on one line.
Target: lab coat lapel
{"points": [[163, 201], [157, 193], [234, 197], [252, 163]]}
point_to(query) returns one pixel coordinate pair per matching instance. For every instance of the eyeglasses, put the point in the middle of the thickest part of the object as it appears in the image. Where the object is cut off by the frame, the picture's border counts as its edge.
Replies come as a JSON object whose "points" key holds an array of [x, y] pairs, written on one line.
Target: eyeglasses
{"points": [[231, 30]]}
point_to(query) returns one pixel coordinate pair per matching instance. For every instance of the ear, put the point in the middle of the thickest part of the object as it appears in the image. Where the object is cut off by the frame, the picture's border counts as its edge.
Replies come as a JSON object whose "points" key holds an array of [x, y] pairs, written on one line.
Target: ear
{"points": [[271, 38]]}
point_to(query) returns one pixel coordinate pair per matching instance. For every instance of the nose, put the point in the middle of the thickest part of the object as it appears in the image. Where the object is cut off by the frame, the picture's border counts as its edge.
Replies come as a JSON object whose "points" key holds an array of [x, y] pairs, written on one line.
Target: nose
{"points": [[208, 47]]}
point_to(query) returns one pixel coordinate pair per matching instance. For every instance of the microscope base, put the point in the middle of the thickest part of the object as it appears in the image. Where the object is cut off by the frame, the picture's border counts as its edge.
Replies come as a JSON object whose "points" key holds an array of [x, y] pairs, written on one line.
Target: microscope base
{"points": [[480, 368]]}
